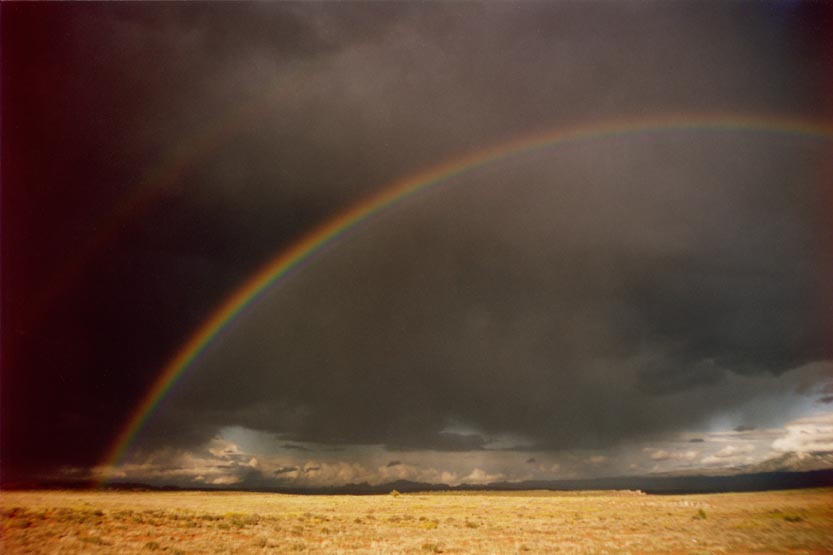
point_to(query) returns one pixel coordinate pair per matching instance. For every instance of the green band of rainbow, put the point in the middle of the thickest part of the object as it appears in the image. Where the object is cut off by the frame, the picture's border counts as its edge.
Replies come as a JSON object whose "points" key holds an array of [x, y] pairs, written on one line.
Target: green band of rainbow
{"points": [[388, 196]]}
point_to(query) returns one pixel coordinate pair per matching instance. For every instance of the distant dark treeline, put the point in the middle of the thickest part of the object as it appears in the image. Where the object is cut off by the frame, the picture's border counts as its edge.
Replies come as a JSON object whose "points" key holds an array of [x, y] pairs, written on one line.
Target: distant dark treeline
{"points": [[688, 484]]}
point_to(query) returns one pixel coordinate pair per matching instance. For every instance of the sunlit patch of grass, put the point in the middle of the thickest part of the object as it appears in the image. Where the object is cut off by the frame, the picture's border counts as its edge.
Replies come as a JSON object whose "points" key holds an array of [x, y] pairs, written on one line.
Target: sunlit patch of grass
{"points": [[241, 520]]}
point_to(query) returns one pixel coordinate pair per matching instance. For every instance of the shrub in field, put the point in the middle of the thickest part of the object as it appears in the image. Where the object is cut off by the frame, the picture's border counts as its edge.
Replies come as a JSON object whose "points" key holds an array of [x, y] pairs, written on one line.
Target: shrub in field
{"points": [[239, 520], [14, 512], [95, 540]]}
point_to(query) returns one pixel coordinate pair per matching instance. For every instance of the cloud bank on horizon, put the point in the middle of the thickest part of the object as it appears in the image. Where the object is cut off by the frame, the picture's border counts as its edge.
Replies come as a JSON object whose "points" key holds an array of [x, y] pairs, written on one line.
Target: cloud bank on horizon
{"points": [[605, 307], [223, 463]]}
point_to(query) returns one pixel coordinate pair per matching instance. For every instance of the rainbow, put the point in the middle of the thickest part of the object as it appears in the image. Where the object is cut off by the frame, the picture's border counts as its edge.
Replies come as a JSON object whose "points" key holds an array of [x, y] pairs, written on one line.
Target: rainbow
{"points": [[398, 192]]}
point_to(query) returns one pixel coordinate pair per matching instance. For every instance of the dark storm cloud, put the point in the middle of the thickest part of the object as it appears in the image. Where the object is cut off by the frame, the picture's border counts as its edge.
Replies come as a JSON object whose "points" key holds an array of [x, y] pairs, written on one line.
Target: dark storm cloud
{"points": [[574, 306], [558, 327], [109, 102], [578, 297], [295, 447], [441, 441], [286, 469]]}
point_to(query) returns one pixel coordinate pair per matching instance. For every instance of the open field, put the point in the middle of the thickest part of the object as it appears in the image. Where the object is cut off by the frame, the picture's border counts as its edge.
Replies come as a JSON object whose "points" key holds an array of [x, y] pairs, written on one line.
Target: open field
{"points": [[475, 523]]}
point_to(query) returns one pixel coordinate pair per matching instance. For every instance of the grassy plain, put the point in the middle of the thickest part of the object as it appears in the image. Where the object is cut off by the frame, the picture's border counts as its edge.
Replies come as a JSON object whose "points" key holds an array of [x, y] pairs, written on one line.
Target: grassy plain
{"points": [[170, 523]]}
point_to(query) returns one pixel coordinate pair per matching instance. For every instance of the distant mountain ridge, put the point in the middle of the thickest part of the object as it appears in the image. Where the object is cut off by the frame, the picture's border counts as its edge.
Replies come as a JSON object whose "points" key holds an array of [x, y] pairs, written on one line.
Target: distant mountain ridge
{"points": [[787, 471], [786, 462], [655, 484], [793, 462]]}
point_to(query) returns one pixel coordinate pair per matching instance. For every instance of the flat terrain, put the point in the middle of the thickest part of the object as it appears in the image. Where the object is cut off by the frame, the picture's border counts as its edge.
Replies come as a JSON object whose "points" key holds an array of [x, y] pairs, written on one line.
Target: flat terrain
{"points": [[476, 523]]}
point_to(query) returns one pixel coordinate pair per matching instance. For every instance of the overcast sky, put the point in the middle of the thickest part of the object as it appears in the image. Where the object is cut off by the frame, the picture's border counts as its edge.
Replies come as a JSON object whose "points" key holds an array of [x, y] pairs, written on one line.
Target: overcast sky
{"points": [[649, 301]]}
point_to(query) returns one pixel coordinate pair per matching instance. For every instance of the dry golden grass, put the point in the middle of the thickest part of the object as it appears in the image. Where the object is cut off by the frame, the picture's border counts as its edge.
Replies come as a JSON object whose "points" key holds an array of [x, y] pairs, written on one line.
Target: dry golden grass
{"points": [[529, 522]]}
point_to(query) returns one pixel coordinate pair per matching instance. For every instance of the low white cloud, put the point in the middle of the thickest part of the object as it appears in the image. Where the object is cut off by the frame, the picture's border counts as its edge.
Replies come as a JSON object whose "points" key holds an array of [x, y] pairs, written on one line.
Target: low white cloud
{"points": [[224, 449], [665, 455], [221, 463], [397, 472], [807, 435], [449, 478], [224, 480], [731, 454], [479, 476], [731, 451]]}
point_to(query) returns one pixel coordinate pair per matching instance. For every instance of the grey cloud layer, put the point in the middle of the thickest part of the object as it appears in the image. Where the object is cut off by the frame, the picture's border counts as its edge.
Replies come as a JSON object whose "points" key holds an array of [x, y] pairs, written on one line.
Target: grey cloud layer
{"points": [[500, 304]]}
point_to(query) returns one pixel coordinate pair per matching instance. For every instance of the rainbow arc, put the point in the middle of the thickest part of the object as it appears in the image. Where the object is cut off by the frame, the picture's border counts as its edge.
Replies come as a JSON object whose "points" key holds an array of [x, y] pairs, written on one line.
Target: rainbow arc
{"points": [[398, 192]]}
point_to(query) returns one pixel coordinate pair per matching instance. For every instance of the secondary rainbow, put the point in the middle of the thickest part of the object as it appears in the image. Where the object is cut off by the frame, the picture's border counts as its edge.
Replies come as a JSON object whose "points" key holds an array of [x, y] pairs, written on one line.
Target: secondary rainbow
{"points": [[328, 232], [169, 170]]}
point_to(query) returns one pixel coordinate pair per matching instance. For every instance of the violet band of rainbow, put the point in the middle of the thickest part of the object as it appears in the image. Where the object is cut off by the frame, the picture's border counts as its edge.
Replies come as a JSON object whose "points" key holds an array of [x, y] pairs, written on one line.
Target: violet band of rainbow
{"points": [[399, 191]]}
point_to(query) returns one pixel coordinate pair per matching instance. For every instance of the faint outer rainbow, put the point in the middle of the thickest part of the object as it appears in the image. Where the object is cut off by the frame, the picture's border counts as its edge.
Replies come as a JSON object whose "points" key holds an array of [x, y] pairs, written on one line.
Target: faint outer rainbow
{"points": [[195, 146], [390, 195]]}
